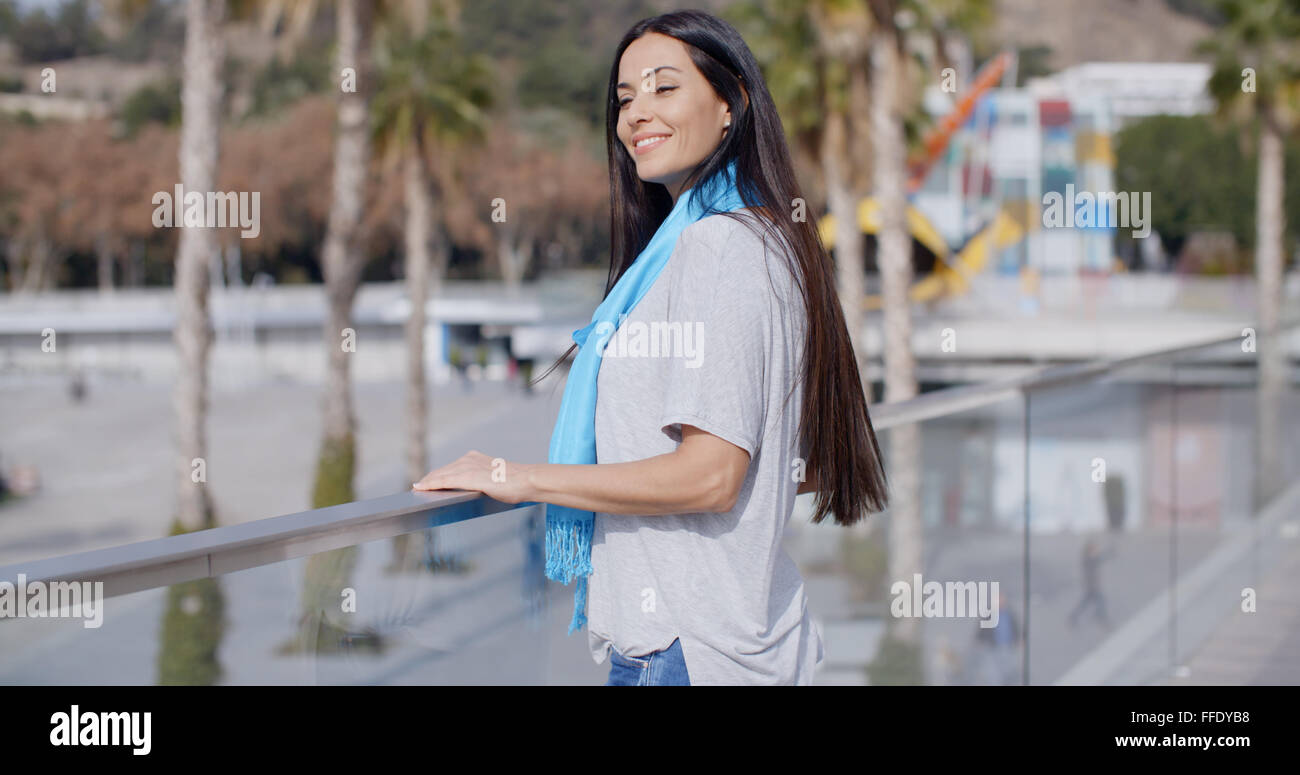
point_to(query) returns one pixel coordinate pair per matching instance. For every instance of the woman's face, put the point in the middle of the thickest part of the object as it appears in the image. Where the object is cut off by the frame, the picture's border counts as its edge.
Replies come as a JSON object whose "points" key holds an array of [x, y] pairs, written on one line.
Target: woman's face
{"points": [[670, 119]]}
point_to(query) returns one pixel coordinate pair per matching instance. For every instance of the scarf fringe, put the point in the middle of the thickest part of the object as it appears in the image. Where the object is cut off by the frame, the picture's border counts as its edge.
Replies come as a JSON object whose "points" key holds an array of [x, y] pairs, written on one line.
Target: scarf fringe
{"points": [[568, 548], [568, 556]]}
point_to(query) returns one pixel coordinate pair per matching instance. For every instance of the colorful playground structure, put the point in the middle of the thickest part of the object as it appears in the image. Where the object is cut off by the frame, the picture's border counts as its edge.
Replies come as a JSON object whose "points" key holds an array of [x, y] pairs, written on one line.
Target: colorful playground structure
{"points": [[977, 185]]}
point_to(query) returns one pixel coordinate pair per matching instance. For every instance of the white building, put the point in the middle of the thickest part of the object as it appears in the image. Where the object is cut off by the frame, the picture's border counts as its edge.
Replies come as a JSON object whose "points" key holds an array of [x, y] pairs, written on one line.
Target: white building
{"points": [[1132, 89]]}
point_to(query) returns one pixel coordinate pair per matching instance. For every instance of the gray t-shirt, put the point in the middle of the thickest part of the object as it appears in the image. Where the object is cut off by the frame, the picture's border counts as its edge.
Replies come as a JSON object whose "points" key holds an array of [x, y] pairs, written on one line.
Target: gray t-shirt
{"points": [[716, 343]]}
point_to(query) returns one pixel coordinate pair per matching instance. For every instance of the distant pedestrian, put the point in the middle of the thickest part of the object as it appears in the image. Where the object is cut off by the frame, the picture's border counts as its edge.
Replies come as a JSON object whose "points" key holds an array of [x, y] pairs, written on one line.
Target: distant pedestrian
{"points": [[77, 388], [1092, 596], [457, 359]]}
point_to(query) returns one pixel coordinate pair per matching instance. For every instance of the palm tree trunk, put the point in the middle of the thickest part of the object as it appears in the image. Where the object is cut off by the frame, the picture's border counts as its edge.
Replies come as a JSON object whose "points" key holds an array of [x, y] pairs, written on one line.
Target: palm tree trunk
{"points": [[342, 259], [104, 264], [323, 626], [843, 32], [134, 269], [419, 211], [894, 257], [441, 259], [194, 617], [1269, 225], [894, 252], [200, 124], [515, 248], [9, 261], [35, 276], [446, 185], [842, 205]]}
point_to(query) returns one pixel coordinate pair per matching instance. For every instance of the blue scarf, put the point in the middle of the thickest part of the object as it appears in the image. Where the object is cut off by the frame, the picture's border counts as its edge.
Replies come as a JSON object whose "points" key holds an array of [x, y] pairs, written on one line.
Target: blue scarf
{"points": [[569, 530]]}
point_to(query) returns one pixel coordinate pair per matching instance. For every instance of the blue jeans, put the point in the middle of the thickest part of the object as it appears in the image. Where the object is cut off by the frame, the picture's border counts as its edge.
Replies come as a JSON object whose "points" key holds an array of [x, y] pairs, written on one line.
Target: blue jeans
{"points": [[658, 668]]}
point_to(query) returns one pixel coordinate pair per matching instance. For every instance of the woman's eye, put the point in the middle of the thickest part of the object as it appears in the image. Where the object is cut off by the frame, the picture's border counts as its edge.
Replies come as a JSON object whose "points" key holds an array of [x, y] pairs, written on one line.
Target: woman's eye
{"points": [[623, 103]]}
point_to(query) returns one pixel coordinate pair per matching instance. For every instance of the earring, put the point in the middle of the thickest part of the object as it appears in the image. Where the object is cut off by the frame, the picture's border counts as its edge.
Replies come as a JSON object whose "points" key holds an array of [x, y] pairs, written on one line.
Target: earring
{"points": [[724, 126]]}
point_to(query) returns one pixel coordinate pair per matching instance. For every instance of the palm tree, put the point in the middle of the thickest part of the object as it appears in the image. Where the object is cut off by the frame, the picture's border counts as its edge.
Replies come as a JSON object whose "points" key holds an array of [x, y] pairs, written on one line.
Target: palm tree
{"points": [[894, 241], [1256, 78], [850, 85], [200, 124], [814, 57], [848, 98], [326, 574], [894, 259], [342, 260], [940, 20], [431, 96], [192, 622], [296, 17], [843, 31], [342, 256]]}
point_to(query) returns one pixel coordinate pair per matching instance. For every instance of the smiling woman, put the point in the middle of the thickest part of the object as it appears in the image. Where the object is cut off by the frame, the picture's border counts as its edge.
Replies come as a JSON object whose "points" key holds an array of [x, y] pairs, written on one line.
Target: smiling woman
{"points": [[670, 479], [669, 114]]}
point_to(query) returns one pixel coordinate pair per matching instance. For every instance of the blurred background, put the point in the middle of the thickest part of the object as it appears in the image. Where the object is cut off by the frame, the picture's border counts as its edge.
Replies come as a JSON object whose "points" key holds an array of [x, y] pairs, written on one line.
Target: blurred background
{"points": [[1095, 410]]}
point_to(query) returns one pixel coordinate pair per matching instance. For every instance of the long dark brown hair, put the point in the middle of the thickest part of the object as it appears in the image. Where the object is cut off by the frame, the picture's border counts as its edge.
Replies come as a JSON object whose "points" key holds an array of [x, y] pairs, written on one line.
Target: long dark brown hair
{"points": [[844, 460]]}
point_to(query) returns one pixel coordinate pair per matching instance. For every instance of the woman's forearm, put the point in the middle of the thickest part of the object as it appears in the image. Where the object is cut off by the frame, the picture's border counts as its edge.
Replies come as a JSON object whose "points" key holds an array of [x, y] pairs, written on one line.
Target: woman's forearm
{"points": [[664, 484]]}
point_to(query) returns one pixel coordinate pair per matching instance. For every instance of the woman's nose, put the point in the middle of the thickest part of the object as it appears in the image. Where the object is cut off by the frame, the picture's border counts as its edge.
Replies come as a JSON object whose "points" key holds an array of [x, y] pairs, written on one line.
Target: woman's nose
{"points": [[637, 112]]}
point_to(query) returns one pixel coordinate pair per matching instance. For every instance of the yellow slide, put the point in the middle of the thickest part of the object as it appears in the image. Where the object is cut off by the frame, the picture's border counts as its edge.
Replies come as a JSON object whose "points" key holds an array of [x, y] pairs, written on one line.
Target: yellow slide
{"points": [[951, 274]]}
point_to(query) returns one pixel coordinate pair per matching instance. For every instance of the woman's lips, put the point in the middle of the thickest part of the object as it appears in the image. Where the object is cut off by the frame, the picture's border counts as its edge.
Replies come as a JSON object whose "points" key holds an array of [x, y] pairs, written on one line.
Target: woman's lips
{"points": [[650, 146]]}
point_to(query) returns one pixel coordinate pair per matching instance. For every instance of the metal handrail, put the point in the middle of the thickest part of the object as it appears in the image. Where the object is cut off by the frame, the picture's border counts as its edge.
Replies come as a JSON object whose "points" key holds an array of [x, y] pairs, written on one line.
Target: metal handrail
{"points": [[960, 399], [207, 553], [161, 562]]}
